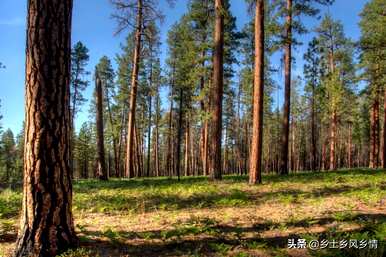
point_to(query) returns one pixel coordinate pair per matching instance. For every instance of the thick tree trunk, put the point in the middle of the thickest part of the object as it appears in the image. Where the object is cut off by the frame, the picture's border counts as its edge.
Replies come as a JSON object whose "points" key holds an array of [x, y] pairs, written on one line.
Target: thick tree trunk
{"points": [[133, 93], [101, 162], [256, 156], [47, 226], [217, 94], [287, 90]]}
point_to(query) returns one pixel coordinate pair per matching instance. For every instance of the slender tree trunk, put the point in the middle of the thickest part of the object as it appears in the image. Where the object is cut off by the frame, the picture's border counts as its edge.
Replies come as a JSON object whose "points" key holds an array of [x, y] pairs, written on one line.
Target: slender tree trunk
{"points": [[256, 156], [46, 226], [179, 135], [114, 136], [225, 161], [187, 147], [101, 162], [287, 90], [334, 124], [133, 93], [313, 130], [349, 157], [374, 134], [217, 94], [148, 140], [156, 148], [170, 149], [292, 146], [384, 128], [85, 168], [120, 172], [324, 153]]}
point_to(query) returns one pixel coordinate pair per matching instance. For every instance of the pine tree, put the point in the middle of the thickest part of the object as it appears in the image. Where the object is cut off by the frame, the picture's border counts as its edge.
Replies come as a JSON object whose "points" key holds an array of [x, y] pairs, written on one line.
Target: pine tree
{"points": [[290, 9], [312, 76], [8, 154], [107, 76], [338, 73], [79, 60], [144, 10], [258, 98], [216, 94], [49, 231], [99, 99], [373, 61], [84, 151]]}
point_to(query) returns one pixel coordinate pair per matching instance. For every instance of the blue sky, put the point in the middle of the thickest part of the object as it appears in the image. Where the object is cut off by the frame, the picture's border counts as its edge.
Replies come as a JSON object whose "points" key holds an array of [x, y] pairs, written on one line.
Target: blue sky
{"points": [[93, 26]]}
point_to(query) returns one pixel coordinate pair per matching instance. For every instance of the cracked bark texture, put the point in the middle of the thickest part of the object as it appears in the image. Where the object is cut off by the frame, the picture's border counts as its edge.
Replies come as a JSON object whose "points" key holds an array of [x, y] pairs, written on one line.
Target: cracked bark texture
{"points": [[217, 94], [46, 226]]}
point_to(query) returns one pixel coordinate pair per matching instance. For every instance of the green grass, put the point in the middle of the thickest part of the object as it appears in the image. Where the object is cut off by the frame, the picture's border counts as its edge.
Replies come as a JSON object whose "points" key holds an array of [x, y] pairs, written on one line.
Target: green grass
{"points": [[197, 217]]}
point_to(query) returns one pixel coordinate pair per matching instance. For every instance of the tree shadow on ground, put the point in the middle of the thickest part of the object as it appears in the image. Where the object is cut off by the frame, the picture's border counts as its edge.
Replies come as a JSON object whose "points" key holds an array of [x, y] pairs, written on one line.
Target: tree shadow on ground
{"points": [[217, 238]]}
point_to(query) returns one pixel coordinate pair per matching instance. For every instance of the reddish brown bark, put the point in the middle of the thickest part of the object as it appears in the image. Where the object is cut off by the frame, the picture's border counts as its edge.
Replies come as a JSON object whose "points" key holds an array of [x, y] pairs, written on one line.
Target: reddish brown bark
{"points": [[187, 147], [256, 157], [287, 90], [179, 135], [349, 157], [101, 162], [133, 93], [333, 130], [374, 134], [217, 94], [46, 226], [384, 128]]}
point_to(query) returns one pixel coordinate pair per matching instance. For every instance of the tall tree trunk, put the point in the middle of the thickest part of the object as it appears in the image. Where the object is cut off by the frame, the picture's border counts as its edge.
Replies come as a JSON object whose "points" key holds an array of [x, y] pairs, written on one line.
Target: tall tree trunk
{"points": [[256, 156], [148, 139], [217, 94], [203, 125], [170, 148], [156, 148], [374, 134], [179, 135], [313, 130], [225, 159], [114, 135], [287, 90], [384, 128], [120, 172], [350, 150], [187, 147], [206, 148], [333, 137], [46, 226], [324, 153], [101, 162], [133, 93]]}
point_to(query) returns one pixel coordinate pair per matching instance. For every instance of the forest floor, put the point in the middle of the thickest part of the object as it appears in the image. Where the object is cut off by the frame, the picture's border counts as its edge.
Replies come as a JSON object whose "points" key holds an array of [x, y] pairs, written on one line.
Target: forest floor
{"points": [[194, 217]]}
